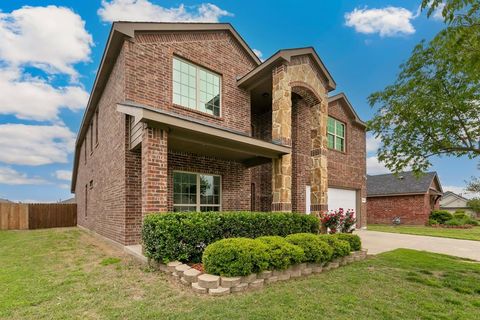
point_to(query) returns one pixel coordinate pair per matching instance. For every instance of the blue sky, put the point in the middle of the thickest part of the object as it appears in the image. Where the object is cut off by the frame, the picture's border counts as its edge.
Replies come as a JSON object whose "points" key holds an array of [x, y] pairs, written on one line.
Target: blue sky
{"points": [[51, 50]]}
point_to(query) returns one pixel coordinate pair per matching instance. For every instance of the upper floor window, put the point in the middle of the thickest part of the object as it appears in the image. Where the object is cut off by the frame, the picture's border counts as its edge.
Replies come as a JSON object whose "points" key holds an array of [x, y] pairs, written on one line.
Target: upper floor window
{"points": [[195, 87], [336, 134]]}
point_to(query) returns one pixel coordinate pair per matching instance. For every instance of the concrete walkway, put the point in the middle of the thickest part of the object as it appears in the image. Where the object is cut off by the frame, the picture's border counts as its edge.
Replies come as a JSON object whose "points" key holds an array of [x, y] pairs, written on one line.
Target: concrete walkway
{"points": [[378, 242]]}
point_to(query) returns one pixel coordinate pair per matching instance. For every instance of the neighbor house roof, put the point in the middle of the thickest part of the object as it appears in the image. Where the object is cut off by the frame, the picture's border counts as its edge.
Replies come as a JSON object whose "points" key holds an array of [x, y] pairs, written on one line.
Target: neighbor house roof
{"points": [[68, 201], [285, 55], [125, 30], [342, 97], [4, 200], [402, 184]]}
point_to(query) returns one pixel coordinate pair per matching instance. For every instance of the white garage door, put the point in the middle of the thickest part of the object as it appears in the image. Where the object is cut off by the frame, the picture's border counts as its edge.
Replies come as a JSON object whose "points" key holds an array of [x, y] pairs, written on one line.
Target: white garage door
{"points": [[341, 198]]}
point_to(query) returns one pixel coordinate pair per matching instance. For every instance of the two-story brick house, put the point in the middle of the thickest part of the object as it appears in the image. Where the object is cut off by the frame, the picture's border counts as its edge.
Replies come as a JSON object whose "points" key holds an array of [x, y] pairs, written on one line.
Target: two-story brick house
{"points": [[184, 116]]}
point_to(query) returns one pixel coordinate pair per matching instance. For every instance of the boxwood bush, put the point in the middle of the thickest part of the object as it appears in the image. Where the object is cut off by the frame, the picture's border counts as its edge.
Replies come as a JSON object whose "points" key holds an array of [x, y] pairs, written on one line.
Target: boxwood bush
{"points": [[281, 253], [341, 248], [235, 257], [352, 239], [184, 236], [315, 250]]}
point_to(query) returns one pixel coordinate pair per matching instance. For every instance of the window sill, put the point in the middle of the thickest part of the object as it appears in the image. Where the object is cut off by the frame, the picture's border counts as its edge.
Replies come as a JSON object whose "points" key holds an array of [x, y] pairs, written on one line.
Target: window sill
{"points": [[337, 151], [201, 113]]}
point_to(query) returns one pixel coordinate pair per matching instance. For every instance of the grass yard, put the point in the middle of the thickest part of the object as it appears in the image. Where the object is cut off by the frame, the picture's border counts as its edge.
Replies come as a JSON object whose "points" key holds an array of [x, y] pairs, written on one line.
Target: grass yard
{"points": [[465, 234], [65, 273]]}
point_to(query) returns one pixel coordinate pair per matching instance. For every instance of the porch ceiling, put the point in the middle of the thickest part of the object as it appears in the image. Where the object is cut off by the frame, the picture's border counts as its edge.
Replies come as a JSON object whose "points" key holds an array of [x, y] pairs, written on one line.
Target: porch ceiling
{"points": [[194, 136]]}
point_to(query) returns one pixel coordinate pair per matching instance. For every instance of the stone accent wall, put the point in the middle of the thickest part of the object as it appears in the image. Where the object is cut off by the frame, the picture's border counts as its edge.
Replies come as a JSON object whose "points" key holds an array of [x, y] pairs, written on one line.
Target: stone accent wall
{"points": [[282, 133], [149, 73], [154, 170], [412, 209], [348, 169], [234, 176]]}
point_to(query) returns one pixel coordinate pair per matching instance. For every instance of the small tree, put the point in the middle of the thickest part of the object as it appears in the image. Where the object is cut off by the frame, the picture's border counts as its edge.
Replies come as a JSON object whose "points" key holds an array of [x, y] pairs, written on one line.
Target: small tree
{"points": [[433, 107], [474, 204]]}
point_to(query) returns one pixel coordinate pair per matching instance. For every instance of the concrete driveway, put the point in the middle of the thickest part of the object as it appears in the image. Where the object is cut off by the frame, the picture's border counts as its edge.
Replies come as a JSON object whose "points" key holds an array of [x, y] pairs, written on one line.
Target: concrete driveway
{"points": [[378, 242]]}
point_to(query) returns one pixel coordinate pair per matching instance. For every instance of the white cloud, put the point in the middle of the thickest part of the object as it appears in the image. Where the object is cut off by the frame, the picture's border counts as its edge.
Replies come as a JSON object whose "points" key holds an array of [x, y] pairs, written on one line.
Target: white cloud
{"points": [[461, 191], [12, 177], [387, 22], [33, 98], [63, 175], [372, 143], [35, 145], [144, 10], [375, 167], [49, 38], [258, 53], [64, 186]]}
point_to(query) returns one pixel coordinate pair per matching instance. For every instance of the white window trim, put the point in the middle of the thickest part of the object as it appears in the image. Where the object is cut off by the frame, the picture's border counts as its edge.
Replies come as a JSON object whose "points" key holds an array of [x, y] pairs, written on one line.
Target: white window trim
{"points": [[198, 205], [335, 136], [197, 87]]}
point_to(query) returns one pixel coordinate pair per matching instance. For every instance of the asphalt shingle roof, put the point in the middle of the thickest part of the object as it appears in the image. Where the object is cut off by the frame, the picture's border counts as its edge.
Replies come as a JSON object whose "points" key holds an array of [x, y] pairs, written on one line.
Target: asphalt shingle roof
{"points": [[407, 182]]}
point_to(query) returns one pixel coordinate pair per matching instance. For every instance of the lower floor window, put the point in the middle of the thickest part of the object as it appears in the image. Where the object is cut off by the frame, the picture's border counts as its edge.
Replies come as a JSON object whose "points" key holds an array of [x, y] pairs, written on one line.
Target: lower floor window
{"points": [[196, 192]]}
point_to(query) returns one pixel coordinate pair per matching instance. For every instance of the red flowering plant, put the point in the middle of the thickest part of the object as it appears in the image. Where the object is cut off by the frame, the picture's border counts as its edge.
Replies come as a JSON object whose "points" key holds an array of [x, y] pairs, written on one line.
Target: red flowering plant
{"points": [[338, 220], [331, 220], [349, 221]]}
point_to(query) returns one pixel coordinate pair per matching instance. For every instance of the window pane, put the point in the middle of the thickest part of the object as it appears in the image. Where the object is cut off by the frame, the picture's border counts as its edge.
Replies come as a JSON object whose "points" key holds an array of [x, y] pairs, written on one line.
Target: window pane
{"points": [[340, 129], [184, 208], [331, 141], [331, 125], [209, 208], [339, 144], [184, 188]]}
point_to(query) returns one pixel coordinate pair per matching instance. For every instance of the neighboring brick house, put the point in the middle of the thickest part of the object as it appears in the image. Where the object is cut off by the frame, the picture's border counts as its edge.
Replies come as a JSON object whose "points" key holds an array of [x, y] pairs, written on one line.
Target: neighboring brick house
{"points": [[406, 196], [184, 116]]}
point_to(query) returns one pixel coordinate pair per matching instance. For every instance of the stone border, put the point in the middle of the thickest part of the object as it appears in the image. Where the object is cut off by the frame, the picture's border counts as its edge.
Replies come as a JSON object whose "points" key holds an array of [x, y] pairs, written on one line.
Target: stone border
{"points": [[213, 285]]}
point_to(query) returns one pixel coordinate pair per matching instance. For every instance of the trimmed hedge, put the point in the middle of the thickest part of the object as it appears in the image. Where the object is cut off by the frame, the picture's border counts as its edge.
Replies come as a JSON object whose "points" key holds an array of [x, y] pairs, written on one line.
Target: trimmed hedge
{"points": [[315, 249], [281, 253], [243, 256], [352, 239], [341, 248], [184, 236], [235, 257]]}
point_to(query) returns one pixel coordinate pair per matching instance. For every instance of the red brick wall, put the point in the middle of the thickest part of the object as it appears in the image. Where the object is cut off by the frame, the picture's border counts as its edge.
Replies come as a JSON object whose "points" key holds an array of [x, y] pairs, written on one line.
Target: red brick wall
{"points": [[301, 146], [154, 170], [234, 176], [106, 165], [348, 169], [149, 73], [412, 209], [261, 176]]}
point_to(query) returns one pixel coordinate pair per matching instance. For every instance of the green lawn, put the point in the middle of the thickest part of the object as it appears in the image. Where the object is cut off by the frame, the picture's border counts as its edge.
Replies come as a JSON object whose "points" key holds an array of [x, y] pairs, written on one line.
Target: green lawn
{"points": [[65, 273], [466, 234]]}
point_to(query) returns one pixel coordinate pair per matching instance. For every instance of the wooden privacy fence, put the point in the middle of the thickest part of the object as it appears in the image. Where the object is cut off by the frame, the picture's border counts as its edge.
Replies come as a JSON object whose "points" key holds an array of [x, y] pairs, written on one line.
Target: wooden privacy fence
{"points": [[24, 216]]}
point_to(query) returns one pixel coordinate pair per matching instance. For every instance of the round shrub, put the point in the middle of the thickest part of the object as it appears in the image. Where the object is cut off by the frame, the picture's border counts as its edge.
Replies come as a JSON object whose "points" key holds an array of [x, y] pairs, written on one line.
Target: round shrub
{"points": [[235, 257], [281, 253], [341, 248], [314, 249], [441, 216], [352, 239], [461, 216]]}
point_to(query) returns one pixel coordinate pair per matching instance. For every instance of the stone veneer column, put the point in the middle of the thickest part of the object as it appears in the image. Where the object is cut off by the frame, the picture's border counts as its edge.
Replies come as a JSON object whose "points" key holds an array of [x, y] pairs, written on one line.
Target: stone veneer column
{"points": [[154, 170], [281, 133], [319, 173]]}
